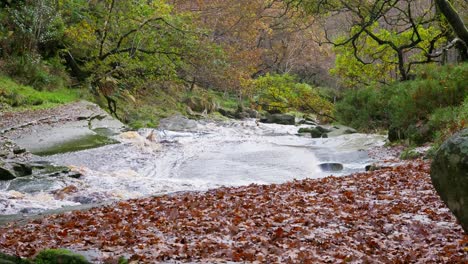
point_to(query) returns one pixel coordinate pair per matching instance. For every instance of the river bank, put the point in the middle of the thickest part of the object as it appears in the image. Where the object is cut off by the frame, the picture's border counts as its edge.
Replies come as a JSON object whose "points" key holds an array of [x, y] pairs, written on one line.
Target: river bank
{"points": [[387, 216]]}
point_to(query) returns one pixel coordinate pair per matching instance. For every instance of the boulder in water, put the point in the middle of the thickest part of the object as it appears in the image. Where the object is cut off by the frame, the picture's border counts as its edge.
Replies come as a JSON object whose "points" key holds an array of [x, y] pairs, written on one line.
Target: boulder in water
{"points": [[305, 130], [331, 166], [449, 174], [6, 174], [240, 113], [322, 129], [315, 133], [177, 123], [282, 119], [12, 170]]}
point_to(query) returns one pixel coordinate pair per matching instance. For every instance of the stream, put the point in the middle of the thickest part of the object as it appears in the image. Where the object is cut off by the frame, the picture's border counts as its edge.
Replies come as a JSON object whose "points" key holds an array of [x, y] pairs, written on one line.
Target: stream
{"points": [[202, 156]]}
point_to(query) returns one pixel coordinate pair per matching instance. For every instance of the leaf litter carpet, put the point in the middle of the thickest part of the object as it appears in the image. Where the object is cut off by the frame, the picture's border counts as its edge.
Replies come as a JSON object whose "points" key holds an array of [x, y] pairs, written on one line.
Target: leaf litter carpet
{"points": [[392, 215]]}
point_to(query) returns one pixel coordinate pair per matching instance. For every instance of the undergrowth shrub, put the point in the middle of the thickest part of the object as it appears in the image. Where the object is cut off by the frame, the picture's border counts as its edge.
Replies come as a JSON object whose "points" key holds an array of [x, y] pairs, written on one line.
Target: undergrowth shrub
{"points": [[428, 108], [31, 70]]}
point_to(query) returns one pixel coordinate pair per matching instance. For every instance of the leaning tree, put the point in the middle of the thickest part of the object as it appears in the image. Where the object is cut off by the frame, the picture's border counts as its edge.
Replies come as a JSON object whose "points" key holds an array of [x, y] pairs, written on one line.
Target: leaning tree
{"points": [[384, 39]]}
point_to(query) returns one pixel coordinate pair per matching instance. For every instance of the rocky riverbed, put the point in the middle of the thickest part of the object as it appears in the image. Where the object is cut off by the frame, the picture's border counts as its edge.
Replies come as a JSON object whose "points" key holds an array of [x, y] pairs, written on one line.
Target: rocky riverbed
{"points": [[108, 163]]}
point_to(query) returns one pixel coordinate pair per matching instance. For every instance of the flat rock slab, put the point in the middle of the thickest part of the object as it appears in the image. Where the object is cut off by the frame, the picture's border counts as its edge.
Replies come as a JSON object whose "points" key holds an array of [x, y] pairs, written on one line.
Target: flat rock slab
{"points": [[72, 127]]}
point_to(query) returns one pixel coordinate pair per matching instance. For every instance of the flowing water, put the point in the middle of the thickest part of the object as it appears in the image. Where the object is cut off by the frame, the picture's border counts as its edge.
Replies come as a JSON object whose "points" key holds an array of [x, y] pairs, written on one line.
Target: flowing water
{"points": [[208, 155]]}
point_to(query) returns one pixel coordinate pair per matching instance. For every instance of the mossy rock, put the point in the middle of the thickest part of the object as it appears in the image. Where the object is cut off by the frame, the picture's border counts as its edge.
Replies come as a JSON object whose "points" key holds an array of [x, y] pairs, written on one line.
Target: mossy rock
{"points": [[315, 133], [8, 259], [59, 256], [322, 129], [282, 119], [449, 174], [305, 130]]}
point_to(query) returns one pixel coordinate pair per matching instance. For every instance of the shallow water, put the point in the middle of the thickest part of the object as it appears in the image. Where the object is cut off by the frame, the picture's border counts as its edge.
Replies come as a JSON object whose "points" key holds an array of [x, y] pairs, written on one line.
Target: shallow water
{"points": [[213, 154]]}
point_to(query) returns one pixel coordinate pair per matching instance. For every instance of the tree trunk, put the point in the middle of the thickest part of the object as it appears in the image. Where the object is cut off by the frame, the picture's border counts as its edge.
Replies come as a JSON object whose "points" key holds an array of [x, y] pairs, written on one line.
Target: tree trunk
{"points": [[455, 21]]}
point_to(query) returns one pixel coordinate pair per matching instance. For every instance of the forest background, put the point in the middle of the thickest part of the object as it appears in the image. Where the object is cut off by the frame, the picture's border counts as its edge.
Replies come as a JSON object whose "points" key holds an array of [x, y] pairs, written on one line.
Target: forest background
{"points": [[387, 65]]}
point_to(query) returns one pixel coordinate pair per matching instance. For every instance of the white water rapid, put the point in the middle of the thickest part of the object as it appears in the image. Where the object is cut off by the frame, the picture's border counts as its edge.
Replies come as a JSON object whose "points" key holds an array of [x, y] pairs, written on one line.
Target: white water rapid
{"points": [[209, 155]]}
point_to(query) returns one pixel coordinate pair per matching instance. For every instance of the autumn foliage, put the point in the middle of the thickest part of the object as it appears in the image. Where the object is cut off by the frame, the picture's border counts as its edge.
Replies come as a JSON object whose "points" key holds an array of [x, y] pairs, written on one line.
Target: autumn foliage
{"points": [[389, 216]]}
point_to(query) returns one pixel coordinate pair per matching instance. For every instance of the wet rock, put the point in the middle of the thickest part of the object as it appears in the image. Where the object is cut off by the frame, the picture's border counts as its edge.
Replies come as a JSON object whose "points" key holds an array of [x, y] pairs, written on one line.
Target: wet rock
{"points": [[449, 174], [91, 198], [305, 130], [339, 130], [322, 129], [18, 150], [21, 169], [31, 184], [375, 167], [12, 170], [65, 130], [6, 174], [315, 133], [331, 166], [47, 169], [74, 174], [282, 119], [240, 113], [350, 131], [178, 123], [305, 122]]}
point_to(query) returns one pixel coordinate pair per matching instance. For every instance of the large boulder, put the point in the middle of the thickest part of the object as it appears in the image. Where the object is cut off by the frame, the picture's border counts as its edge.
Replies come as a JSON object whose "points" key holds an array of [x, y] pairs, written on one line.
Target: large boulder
{"points": [[178, 123], [6, 174], [12, 170], [449, 174], [316, 133], [240, 113], [331, 166], [282, 119]]}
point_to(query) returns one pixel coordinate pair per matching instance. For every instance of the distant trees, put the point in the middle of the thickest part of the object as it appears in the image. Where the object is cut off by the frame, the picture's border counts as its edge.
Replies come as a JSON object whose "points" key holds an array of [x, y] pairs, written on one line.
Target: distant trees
{"points": [[378, 38], [259, 37]]}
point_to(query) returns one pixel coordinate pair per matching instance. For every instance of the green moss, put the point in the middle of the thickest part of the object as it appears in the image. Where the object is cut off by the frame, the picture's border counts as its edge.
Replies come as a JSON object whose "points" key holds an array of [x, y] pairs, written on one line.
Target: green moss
{"points": [[82, 143], [122, 260], [59, 256], [8, 259], [17, 97]]}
